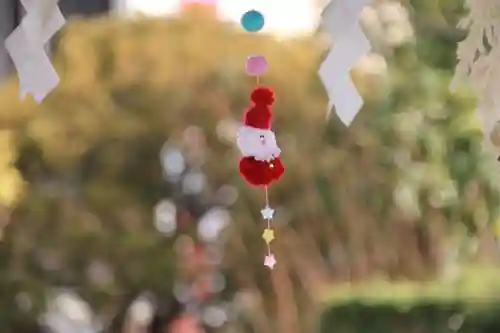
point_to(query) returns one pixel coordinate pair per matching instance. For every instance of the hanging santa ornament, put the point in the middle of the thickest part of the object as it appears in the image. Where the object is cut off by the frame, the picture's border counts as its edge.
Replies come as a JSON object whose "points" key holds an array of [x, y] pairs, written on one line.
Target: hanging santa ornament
{"points": [[260, 164]]}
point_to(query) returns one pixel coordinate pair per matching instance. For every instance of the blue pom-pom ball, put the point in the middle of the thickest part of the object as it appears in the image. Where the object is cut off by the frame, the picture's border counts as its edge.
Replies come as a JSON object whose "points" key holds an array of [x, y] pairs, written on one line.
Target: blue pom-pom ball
{"points": [[252, 21]]}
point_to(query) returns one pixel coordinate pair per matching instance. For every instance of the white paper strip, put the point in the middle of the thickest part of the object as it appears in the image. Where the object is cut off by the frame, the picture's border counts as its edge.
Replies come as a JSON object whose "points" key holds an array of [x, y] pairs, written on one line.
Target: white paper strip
{"points": [[345, 97], [36, 74], [26, 45], [340, 19], [339, 15], [349, 48], [479, 62]]}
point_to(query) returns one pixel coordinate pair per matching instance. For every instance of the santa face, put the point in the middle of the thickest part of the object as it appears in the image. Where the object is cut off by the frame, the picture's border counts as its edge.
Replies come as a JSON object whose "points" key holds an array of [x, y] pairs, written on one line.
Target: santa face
{"points": [[257, 143]]}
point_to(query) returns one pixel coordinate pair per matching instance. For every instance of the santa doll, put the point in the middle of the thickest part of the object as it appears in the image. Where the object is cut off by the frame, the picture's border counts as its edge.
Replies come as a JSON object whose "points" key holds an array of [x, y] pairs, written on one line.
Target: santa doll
{"points": [[260, 164]]}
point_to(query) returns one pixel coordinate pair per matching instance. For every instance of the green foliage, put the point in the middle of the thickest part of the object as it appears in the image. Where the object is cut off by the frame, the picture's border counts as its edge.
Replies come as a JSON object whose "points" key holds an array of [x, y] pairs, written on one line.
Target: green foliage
{"points": [[469, 303], [476, 282], [435, 318]]}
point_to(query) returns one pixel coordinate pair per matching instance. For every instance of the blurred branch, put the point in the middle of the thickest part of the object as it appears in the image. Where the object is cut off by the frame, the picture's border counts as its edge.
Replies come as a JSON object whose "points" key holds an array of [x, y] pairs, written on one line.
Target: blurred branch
{"points": [[429, 21], [287, 312], [441, 30]]}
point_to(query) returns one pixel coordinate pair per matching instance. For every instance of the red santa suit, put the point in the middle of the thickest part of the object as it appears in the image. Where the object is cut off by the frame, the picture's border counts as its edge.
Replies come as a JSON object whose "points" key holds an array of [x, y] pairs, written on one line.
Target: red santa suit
{"points": [[261, 163]]}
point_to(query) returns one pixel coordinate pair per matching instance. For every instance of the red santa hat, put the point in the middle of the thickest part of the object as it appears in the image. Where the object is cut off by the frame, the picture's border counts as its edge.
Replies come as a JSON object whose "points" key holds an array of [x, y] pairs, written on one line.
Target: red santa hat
{"points": [[259, 115]]}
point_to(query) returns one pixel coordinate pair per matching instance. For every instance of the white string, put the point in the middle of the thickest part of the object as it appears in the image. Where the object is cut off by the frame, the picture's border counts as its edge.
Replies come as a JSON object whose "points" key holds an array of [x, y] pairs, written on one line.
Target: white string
{"points": [[268, 220], [267, 196]]}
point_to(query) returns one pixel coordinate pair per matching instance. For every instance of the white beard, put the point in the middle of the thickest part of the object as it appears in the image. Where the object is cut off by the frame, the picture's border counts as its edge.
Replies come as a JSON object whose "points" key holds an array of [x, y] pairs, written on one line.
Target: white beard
{"points": [[257, 143]]}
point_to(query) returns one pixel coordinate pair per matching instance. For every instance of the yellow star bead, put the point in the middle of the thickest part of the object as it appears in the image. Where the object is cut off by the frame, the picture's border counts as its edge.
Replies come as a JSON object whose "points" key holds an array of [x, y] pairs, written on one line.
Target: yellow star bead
{"points": [[268, 235]]}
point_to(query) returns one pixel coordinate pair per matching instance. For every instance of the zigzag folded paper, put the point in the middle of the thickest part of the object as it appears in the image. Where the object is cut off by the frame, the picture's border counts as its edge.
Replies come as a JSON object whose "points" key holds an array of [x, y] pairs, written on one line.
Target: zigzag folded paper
{"points": [[340, 19], [478, 64], [26, 44]]}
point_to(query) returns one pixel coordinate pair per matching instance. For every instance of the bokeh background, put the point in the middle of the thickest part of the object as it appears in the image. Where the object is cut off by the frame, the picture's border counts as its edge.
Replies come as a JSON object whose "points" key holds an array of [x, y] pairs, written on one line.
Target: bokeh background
{"points": [[122, 210]]}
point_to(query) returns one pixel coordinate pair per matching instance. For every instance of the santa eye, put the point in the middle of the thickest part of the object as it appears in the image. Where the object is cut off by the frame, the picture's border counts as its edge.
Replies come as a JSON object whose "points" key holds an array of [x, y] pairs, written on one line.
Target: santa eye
{"points": [[262, 138]]}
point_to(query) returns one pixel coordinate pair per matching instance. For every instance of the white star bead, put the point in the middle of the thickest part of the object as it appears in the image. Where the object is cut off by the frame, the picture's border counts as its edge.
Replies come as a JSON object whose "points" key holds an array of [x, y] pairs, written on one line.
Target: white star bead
{"points": [[267, 213], [270, 261]]}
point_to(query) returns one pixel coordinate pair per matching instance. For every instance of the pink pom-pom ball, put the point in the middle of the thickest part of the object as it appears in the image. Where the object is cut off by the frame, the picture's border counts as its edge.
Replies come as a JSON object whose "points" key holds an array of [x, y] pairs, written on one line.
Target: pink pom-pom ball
{"points": [[256, 65]]}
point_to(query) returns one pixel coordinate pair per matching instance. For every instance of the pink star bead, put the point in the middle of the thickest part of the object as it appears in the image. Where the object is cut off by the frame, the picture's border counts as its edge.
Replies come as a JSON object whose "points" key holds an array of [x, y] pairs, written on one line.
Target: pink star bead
{"points": [[270, 261]]}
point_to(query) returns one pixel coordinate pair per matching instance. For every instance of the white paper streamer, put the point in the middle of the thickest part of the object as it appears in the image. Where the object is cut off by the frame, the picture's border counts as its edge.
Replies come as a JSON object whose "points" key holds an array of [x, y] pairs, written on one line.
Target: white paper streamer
{"points": [[26, 45], [340, 19], [479, 61]]}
